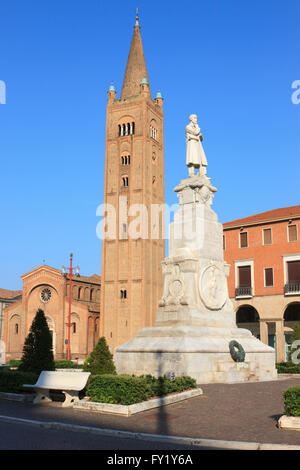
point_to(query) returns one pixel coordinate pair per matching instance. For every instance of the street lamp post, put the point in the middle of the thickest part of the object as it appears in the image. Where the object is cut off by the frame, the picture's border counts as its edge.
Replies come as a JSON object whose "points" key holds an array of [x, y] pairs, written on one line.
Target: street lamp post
{"points": [[64, 272]]}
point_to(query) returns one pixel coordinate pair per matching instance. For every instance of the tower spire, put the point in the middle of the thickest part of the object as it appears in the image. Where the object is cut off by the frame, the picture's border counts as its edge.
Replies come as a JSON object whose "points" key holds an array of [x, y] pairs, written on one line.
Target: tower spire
{"points": [[136, 68]]}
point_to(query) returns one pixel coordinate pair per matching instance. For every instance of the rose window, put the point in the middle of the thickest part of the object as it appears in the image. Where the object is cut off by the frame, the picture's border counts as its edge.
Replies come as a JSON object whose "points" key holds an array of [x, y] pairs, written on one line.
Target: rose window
{"points": [[45, 295]]}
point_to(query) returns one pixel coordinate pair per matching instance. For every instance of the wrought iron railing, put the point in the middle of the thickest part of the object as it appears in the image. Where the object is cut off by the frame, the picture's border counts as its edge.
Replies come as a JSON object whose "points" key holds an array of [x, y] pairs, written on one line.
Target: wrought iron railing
{"points": [[292, 288], [243, 291]]}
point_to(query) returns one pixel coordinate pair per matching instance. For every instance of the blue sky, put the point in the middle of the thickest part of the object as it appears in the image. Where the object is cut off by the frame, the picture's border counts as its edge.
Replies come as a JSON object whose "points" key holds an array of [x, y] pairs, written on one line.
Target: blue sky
{"points": [[232, 63]]}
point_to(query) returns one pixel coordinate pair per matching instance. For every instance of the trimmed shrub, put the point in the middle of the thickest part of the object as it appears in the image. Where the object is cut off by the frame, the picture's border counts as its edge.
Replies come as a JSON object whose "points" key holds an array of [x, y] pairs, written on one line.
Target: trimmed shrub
{"points": [[37, 350], [292, 401], [126, 390], [100, 361], [163, 385], [65, 364], [118, 389], [287, 368], [14, 362], [11, 381]]}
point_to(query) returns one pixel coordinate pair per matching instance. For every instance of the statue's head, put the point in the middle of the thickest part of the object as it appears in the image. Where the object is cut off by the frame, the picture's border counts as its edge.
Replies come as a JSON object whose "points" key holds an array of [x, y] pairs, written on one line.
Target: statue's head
{"points": [[193, 118]]}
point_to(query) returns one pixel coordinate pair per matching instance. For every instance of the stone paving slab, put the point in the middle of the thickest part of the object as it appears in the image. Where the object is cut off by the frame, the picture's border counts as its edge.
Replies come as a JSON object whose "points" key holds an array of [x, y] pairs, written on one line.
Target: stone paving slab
{"points": [[245, 412]]}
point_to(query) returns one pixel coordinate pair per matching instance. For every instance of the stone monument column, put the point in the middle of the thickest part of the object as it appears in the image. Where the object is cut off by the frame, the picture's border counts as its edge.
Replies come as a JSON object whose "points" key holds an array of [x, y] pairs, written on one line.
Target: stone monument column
{"points": [[195, 332]]}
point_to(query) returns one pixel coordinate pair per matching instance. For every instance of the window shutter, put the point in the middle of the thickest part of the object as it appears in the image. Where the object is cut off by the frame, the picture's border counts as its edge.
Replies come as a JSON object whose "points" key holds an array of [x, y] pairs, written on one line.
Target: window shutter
{"points": [[268, 277], [244, 276], [267, 236], [292, 229], [243, 239], [293, 271]]}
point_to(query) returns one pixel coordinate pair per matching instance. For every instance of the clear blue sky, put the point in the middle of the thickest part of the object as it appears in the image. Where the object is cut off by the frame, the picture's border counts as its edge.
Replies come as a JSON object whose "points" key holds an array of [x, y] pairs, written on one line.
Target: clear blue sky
{"points": [[232, 63]]}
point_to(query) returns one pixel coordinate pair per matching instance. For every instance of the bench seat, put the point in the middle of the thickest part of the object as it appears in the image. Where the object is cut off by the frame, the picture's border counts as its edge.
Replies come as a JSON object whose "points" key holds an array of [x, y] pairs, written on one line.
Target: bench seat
{"points": [[70, 383]]}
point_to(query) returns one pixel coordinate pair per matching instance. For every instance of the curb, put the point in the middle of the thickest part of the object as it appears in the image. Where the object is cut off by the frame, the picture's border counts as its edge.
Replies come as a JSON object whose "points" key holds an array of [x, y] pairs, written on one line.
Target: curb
{"points": [[187, 441], [20, 397], [291, 423], [137, 407]]}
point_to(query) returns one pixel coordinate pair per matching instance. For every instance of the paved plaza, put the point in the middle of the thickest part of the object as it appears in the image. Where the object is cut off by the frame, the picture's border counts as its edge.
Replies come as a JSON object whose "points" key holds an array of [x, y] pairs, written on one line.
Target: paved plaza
{"points": [[246, 412]]}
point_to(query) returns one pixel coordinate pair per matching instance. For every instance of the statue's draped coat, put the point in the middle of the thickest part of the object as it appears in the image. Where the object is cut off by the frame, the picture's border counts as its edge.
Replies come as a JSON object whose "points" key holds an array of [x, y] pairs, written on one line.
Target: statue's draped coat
{"points": [[194, 151]]}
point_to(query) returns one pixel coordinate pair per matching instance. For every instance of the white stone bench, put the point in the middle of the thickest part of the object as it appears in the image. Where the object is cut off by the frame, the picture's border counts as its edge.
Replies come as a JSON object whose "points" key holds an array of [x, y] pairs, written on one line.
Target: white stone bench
{"points": [[70, 383]]}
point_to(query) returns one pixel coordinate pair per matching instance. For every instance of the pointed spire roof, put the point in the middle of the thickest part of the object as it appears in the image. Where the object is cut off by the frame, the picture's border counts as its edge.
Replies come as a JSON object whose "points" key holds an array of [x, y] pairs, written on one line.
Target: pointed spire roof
{"points": [[136, 69]]}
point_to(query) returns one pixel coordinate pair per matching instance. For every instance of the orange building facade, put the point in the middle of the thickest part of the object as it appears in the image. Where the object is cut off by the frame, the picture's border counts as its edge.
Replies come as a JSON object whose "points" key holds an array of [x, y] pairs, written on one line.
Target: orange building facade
{"points": [[263, 251], [48, 289]]}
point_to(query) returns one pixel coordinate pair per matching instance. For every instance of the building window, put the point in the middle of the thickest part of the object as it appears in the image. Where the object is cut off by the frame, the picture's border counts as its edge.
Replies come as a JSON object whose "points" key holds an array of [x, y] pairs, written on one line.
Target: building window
{"points": [[243, 239], [267, 236], [126, 129], [74, 328], [293, 271], [16, 328], [79, 293], [269, 277], [125, 181], [224, 242], [244, 276], [45, 295], [123, 294], [125, 160], [292, 233], [123, 232], [291, 265], [244, 281], [153, 133]]}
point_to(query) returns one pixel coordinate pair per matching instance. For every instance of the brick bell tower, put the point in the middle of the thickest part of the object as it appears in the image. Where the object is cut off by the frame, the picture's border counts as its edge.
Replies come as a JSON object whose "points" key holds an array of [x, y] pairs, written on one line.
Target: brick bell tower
{"points": [[132, 280]]}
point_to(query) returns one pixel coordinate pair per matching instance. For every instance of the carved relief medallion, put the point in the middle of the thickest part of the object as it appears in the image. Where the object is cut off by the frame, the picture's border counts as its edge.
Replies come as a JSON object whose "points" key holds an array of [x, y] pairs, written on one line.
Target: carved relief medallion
{"points": [[176, 288], [213, 287]]}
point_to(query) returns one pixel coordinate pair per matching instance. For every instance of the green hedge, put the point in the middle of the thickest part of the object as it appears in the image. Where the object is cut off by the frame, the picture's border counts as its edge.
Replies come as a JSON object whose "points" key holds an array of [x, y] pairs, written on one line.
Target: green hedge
{"points": [[287, 368], [164, 385], [292, 401], [60, 364], [11, 381], [117, 389], [127, 390], [14, 362], [65, 364]]}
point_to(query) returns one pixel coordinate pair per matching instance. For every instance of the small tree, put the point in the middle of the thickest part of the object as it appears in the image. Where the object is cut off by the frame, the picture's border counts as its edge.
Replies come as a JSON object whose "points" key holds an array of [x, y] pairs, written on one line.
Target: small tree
{"points": [[100, 361], [37, 349]]}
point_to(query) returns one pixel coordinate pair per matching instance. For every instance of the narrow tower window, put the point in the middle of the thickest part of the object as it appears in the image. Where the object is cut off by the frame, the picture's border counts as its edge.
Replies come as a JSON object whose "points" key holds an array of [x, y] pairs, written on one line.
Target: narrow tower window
{"points": [[125, 181], [123, 294]]}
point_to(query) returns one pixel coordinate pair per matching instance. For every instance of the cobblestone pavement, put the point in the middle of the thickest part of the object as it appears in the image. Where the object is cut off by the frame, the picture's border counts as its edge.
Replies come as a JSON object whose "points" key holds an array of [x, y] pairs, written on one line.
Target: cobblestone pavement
{"points": [[245, 412]]}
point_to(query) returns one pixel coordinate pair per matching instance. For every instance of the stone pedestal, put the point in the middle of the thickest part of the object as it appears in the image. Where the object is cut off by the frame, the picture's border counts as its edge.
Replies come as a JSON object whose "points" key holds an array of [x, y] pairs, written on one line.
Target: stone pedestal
{"points": [[195, 321]]}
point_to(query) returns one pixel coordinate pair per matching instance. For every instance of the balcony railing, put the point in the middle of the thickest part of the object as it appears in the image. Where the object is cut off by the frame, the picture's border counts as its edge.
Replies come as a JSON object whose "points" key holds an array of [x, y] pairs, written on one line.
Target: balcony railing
{"points": [[292, 288], [243, 292]]}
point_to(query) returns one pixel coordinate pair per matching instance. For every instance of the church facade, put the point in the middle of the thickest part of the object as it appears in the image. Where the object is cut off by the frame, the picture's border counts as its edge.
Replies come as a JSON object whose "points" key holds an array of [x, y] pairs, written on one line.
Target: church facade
{"points": [[134, 178], [47, 288]]}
